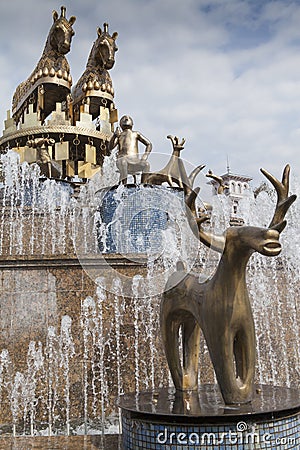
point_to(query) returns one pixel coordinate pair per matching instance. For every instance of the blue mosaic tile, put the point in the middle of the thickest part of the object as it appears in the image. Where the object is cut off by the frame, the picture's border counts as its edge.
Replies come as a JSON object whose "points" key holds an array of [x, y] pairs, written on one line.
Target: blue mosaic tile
{"points": [[282, 434], [134, 223]]}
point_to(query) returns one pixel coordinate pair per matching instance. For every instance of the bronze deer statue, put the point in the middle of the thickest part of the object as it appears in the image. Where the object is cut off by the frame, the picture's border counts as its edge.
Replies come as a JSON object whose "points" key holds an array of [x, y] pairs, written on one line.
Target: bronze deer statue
{"points": [[95, 84], [174, 171], [220, 306], [52, 72]]}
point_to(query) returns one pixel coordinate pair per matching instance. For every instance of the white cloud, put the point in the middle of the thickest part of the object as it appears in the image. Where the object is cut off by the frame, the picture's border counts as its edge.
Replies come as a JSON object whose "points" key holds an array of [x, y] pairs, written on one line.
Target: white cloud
{"points": [[225, 75]]}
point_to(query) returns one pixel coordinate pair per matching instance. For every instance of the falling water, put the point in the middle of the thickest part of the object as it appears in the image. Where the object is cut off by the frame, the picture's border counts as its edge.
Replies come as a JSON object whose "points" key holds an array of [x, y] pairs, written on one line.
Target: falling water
{"points": [[52, 376], [274, 289], [88, 326], [101, 297], [118, 314], [67, 380], [137, 281], [36, 213]]}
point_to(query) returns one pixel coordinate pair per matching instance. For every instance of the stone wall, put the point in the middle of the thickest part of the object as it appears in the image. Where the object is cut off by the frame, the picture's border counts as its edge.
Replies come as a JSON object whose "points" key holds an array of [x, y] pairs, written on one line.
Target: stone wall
{"points": [[69, 347]]}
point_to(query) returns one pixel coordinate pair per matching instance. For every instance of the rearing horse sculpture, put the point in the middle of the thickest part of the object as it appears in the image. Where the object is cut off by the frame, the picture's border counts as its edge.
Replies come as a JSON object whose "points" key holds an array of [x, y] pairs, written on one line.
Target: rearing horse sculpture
{"points": [[220, 306], [95, 83], [52, 72]]}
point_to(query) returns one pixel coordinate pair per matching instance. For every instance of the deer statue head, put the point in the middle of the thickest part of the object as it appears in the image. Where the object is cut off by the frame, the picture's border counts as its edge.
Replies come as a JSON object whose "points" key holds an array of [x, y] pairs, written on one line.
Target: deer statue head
{"points": [[262, 240]]}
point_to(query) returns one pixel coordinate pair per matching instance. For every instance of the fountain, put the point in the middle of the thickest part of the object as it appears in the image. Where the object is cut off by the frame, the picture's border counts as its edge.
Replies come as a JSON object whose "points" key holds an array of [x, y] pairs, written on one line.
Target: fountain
{"points": [[89, 237], [239, 412]]}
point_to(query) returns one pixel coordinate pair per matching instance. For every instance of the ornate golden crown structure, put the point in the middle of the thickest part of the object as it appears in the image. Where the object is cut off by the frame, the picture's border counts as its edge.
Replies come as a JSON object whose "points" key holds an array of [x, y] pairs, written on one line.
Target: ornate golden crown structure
{"points": [[72, 126]]}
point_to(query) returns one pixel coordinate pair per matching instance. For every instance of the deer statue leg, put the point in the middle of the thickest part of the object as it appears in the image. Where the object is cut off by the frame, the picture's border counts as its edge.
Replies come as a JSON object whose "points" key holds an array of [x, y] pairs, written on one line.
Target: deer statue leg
{"points": [[191, 348], [244, 353], [170, 338], [186, 377], [234, 362]]}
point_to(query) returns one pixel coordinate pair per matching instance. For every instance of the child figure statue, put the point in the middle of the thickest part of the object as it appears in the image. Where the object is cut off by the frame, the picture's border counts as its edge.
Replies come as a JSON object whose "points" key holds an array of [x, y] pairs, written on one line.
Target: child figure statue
{"points": [[128, 159]]}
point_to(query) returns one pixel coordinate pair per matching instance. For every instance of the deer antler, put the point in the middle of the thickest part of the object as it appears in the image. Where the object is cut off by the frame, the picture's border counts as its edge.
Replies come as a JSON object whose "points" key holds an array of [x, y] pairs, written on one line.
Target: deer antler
{"points": [[219, 180], [217, 242], [194, 173], [175, 142], [213, 241], [284, 201]]}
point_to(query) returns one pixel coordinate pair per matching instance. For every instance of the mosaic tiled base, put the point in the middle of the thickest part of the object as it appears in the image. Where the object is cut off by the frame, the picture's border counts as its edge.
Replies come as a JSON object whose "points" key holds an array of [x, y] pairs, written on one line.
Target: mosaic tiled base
{"points": [[227, 428], [135, 218], [242, 435]]}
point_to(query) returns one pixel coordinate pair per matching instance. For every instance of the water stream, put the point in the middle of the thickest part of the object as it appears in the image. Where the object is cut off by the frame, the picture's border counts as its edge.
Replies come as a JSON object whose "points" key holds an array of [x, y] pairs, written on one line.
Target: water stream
{"points": [[67, 380]]}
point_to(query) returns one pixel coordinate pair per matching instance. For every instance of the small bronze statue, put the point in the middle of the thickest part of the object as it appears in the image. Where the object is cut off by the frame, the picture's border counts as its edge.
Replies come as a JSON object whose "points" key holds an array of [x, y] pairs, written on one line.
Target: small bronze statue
{"points": [[128, 160], [174, 172], [43, 157], [220, 306]]}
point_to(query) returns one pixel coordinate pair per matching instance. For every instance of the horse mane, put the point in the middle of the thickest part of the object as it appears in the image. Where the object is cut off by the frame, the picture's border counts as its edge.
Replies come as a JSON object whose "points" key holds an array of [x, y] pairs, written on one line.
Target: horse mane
{"points": [[89, 63]]}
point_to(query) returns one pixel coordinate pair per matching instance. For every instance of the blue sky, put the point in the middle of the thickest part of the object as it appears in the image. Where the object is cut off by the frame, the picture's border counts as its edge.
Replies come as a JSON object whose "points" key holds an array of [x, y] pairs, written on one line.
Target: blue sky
{"points": [[224, 74]]}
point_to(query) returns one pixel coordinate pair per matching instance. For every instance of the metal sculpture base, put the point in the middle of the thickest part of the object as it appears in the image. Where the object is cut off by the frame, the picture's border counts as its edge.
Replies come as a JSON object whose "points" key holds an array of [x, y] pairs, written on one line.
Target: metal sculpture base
{"points": [[179, 420]]}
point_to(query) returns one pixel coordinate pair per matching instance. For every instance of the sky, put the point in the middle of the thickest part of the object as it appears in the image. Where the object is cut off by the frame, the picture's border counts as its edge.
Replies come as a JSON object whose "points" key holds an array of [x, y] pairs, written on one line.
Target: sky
{"points": [[223, 74]]}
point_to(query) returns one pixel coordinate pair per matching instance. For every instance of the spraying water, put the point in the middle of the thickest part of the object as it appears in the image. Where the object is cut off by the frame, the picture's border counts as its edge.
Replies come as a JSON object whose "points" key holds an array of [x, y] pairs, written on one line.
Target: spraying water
{"points": [[65, 379]]}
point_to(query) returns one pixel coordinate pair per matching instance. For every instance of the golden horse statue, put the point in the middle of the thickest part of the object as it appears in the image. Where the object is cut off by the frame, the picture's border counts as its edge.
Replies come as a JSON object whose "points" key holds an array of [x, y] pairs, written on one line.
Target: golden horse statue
{"points": [[95, 85], [50, 81]]}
